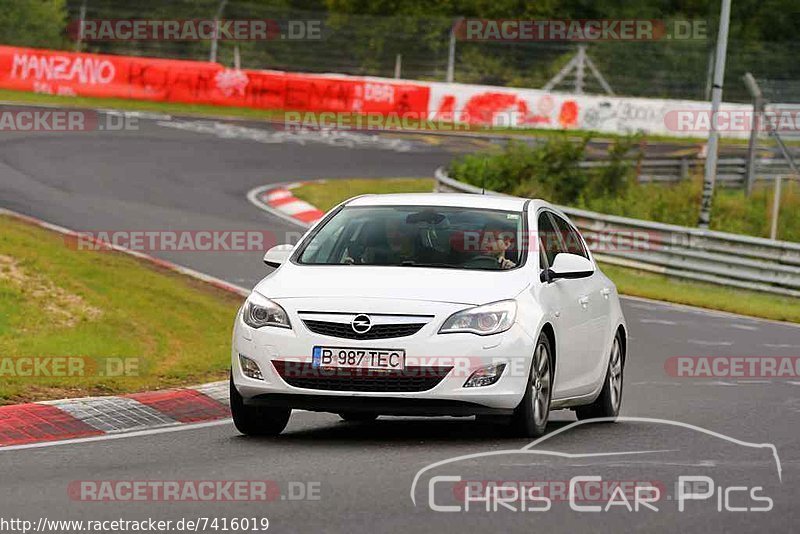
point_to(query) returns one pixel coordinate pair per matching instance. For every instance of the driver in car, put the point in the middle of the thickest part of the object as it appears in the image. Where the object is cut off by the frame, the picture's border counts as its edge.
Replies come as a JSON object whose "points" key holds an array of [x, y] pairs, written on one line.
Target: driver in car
{"points": [[497, 242]]}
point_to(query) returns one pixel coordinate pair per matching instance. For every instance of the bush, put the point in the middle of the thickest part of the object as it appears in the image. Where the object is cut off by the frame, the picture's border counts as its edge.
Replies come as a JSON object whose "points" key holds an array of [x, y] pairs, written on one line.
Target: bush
{"points": [[550, 171], [39, 23]]}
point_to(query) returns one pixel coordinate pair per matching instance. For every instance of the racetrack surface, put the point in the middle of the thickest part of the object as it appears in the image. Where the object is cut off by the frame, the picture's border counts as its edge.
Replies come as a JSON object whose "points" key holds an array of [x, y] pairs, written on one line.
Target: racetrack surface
{"points": [[196, 178]]}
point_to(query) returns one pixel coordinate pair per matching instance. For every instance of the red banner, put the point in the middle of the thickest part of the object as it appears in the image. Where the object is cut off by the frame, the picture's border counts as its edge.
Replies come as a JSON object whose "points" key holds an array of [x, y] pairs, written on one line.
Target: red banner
{"points": [[200, 82]]}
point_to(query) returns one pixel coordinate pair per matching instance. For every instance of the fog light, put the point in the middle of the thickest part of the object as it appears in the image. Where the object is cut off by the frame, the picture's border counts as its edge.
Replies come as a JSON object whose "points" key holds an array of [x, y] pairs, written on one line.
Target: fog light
{"points": [[485, 376], [250, 368]]}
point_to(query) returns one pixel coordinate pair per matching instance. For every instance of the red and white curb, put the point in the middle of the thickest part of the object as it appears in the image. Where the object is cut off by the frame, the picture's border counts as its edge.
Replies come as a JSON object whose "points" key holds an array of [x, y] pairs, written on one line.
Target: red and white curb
{"points": [[24, 424], [278, 199]]}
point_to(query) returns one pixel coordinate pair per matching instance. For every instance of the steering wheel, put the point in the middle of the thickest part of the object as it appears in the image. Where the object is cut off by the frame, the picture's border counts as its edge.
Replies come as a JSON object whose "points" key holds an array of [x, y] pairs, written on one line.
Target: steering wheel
{"points": [[482, 261]]}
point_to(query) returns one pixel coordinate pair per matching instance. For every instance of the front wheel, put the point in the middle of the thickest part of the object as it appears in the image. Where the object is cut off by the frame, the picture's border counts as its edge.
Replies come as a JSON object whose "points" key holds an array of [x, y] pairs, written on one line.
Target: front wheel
{"points": [[609, 401], [256, 420], [531, 416]]}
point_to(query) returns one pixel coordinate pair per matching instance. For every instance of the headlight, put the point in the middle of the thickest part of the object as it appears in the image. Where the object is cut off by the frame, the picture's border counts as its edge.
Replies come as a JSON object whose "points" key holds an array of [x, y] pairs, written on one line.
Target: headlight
{"points": [[482, 320], [259, 311]]}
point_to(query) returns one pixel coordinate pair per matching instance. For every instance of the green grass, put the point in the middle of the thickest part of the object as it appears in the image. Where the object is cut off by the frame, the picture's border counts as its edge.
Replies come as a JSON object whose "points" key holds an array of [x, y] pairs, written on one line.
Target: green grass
{"points": [[25, 97], [57, 301], [658, 287], [732, 210], [327, 194]]}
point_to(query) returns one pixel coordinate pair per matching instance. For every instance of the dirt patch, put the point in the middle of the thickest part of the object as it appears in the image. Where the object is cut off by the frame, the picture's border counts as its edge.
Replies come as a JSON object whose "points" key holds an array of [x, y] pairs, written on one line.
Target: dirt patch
{"points": [[64, 309]]}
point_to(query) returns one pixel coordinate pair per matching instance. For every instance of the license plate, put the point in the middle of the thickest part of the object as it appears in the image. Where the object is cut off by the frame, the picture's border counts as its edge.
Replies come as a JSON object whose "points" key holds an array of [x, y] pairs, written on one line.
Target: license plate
{"points": [[359, 358]]}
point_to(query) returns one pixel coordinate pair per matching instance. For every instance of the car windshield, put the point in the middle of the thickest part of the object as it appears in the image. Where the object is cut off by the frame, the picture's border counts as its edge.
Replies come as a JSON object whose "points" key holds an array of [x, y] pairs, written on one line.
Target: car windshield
{"points": [[418, 236]]}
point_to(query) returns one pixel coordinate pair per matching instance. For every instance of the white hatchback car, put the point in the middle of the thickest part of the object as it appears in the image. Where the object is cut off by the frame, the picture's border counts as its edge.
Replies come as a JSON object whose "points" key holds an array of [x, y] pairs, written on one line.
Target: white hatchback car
{"points": [[431, 304]]}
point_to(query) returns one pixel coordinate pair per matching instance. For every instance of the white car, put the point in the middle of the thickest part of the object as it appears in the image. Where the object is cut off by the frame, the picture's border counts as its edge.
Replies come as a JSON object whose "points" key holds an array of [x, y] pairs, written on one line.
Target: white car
{"points": [[431, 304]]}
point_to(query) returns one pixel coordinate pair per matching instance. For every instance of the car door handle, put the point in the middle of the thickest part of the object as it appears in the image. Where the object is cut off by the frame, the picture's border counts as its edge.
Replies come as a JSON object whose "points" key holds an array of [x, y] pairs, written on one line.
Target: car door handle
{"points": [[584, 302], [605, 292]]}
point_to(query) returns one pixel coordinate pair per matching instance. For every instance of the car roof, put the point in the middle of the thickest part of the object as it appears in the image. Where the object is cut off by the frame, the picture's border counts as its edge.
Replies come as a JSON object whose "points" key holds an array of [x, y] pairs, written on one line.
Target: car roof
{"points": [[458, 200]]}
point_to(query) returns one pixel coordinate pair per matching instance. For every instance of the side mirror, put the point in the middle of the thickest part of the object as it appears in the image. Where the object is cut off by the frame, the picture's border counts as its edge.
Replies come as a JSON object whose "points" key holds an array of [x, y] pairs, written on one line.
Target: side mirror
{"points": [[568, 266], [277, 255]]}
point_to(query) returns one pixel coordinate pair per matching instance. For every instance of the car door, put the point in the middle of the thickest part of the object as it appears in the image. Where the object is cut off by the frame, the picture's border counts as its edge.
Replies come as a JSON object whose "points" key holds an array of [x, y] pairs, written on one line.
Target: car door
{"points": [[560, 302], [594, 299]]}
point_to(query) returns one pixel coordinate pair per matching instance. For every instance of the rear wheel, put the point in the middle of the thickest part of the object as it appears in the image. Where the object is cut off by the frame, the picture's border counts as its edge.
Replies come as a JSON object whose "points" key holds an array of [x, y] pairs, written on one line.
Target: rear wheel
{"points": [[531, 416], [609, 401], [358, 417], [256, 420]]}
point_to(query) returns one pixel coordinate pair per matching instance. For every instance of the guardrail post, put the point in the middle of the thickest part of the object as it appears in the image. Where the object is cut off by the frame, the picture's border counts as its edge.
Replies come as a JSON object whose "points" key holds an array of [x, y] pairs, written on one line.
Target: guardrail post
{"points": [[684, 169]]}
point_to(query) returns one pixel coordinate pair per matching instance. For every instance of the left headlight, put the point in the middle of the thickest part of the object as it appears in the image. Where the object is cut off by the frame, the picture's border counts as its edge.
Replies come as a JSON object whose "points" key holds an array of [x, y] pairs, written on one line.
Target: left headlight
{"points": [[482, 320], [259, 311]]}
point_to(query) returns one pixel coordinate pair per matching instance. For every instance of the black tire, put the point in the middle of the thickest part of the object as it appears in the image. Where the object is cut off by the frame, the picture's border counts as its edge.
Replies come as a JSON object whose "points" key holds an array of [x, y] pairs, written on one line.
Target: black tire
{"points": [[531, 416], [609, 402], [358, 417], [257, 420]]}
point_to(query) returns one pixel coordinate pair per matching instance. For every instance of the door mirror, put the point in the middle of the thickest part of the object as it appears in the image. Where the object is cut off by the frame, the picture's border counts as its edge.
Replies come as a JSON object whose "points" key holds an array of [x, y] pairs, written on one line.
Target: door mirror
{"points": [[278, 255], [568, 266]]}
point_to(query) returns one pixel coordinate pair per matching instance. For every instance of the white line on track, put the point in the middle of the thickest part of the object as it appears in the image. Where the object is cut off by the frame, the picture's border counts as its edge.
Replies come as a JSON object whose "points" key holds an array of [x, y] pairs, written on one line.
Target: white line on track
{"points": [[657, 321], [710, 343]]}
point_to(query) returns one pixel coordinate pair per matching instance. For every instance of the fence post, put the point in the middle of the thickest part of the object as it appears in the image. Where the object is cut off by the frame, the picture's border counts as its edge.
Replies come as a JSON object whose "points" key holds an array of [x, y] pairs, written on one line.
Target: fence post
{"points": [[776, 208], [710, 177], [758, 104], [451, 52], [212, 55], [81, 19], [398, 65]]}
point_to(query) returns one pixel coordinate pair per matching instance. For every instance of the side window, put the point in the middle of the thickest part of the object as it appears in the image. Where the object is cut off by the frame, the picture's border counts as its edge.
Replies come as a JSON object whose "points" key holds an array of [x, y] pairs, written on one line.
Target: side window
{"points": [[549, 244], [572, 240]]}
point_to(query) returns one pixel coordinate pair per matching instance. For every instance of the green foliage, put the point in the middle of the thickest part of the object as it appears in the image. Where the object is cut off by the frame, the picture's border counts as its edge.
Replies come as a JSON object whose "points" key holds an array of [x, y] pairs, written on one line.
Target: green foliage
{"points": [[550, 171], [38, 23]]}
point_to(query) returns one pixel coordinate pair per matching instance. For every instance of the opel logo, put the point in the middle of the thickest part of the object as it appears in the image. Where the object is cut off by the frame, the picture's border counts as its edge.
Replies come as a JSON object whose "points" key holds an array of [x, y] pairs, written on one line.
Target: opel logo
{"points": [[361, 324]]}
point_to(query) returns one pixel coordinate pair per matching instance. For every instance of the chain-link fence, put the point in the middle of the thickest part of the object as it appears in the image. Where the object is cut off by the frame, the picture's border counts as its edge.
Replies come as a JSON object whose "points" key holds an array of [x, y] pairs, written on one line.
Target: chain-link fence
{"points": [[377, 46]]}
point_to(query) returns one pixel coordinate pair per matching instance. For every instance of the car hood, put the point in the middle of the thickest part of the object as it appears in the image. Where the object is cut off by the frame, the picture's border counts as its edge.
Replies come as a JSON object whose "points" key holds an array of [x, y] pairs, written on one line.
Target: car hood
{"points": [[409, 283]]}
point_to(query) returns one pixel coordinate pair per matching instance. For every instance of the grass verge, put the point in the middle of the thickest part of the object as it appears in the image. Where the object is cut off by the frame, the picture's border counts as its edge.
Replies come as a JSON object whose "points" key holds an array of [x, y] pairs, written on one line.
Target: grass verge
{"points": [[176, 108], [632, 282], [126, 325], [658, 287], [327, 194]]}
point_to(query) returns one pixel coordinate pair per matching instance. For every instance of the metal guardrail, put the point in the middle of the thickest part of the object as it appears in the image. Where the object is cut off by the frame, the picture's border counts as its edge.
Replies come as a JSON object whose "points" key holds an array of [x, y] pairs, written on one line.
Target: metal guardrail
{"points": [[731, 172], [721, 258]]}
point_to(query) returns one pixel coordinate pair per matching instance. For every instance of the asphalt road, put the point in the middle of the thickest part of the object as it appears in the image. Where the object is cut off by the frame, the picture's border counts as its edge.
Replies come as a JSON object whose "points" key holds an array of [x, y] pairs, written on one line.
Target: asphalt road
{"points": [[360, 476]]}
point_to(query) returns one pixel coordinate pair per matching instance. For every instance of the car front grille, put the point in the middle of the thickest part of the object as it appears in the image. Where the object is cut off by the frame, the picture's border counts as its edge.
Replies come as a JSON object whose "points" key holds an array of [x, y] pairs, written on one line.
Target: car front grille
{"points": [[413, 378], [378, 331]]}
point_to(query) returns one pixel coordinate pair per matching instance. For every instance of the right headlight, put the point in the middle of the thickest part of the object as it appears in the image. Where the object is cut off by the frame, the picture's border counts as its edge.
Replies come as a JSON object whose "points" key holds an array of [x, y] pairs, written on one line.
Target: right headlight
{"points": [[482, 320], [259, 311]]}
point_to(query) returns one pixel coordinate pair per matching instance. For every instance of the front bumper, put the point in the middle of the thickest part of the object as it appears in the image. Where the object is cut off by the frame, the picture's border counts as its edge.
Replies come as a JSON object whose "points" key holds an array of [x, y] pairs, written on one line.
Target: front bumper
{"points": [[465, 353]]}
